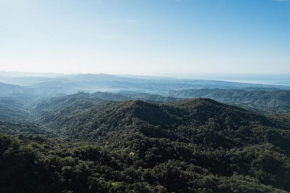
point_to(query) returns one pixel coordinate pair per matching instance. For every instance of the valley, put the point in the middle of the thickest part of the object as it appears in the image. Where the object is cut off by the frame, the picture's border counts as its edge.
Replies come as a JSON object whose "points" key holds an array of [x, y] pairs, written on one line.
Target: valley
{"points": [[178, 141]]}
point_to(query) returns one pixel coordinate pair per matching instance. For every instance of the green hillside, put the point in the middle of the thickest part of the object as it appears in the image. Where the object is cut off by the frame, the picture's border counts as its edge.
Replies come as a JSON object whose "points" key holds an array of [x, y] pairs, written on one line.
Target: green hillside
{"points": [[271, 101], [13, 109], [211, 146], [90, 145]]}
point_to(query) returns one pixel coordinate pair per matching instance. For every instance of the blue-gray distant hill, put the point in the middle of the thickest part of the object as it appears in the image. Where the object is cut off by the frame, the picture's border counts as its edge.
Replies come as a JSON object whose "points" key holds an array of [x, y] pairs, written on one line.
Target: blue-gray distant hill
{"points": [[277, 101], [70, 84]]}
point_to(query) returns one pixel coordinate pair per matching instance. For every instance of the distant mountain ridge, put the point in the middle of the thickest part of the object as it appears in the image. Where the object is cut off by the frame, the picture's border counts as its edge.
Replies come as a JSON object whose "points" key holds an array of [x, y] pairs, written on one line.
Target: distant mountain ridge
{"points": [[10, 89], [28, 105], [70, 84], [35, 92], [277, 101]]}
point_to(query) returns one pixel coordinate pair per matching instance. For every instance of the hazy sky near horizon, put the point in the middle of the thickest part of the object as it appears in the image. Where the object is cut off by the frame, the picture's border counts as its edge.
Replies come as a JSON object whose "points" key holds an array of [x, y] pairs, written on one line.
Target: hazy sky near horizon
{"points": [[146, 37]]}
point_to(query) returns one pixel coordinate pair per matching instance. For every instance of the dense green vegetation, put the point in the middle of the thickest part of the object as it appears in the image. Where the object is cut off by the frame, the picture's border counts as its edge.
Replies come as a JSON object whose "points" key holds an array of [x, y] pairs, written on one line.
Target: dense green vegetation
{"points": [[265, 101], [130, 141], [195, 145], [54, 103], [17, 128], [36, 164], [9, 110]]}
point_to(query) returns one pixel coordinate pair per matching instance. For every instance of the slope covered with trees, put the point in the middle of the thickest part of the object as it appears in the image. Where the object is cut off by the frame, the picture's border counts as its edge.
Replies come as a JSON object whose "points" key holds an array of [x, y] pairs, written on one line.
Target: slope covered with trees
{"points": [[106, 142], [185, 146], [270, 101], [111, 115], [12, 110], [36, 164]]}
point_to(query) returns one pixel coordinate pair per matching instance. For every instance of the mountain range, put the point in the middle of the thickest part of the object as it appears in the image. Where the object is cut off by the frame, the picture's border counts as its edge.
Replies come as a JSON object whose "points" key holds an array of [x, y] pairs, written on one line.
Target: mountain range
{"points": [[119, 146], [174, 140]]}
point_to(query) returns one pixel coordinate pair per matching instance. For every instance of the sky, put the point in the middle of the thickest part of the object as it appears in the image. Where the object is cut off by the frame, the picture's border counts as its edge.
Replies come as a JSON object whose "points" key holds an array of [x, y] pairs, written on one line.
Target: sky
{"points": [[145, 37]]}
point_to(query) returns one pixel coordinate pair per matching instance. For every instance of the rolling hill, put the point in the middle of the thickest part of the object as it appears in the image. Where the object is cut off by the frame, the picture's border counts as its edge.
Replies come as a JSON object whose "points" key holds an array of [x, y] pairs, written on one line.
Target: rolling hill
{"points": [[196, 145], [143, 142], [273, 101], [8, 90], [11, 109]]}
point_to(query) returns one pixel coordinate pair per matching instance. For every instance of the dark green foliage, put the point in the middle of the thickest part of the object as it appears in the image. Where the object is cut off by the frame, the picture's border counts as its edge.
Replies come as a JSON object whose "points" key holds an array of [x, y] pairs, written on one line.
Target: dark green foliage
{"points": [[16, 128], [36, 164], [195, 145], [11, 109], [282, 119], [89, 119]]}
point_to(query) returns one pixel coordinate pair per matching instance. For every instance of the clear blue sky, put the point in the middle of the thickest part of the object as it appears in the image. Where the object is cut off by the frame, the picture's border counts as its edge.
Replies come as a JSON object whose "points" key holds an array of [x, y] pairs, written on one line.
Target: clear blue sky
{"points": [[145, 36]]}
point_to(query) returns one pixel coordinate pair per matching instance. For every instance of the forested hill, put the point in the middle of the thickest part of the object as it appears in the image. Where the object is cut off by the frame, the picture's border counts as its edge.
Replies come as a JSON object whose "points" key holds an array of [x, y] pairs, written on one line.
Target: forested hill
{"points": [[90, 118], [54, 103], [28, 103], [10, 89], [196, 145], [49, 104], [270, 101], [12, 109]]}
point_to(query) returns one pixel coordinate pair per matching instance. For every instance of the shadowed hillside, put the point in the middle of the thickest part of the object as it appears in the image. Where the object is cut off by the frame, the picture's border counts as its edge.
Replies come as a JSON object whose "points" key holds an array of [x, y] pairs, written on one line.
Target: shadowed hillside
{"points": [[112, 115], [197, 145]]}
